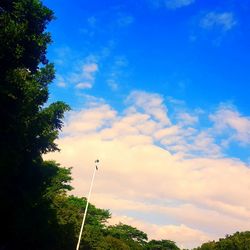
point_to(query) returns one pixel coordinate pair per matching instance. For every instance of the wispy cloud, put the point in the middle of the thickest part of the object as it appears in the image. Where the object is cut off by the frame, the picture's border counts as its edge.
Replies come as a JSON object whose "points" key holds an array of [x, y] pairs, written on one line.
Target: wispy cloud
{"points": [[172, 4], [84, 85], [227, 120], [62, 55], [125, 20], [92, 21], [89, 70], [82, 76], [213, 27], [60, 81], [175, 4], [116, 72], [152, 104], [187, 119], [113, 84], [224, 21]]}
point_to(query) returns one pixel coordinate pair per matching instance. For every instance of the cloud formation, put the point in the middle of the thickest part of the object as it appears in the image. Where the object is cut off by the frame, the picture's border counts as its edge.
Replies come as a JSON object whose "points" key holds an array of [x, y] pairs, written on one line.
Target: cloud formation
{"points": [[117, 72], [175, 4], [82, 75], [224, 21], [84, 85], [167, 177], [172, 232], [125, 20], [172, 4], [228, 120]]}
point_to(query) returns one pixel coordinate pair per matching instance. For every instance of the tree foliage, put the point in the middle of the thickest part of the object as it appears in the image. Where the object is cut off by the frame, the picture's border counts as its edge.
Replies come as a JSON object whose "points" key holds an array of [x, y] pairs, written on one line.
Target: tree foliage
{"points": [[237, 241], [128, 233], [161, 245], [27, 128]]}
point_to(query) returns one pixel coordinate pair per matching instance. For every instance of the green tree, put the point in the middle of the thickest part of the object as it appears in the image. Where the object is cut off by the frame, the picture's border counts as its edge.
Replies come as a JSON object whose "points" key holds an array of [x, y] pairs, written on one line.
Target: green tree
{"points": [[237, 241], [161, 245], [133, 237], [69, 212], [111, 243], [57, 180], [27, 128], [207, 246]]}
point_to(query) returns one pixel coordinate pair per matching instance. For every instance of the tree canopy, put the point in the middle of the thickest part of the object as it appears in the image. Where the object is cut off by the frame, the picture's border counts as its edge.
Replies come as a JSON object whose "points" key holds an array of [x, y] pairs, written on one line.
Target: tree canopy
{"points": [[28, 129], [237, 241], [161, 245]]}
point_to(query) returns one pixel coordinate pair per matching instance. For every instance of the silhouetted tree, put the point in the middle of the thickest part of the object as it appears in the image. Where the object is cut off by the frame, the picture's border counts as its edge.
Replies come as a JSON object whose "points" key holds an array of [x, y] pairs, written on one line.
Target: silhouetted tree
{"points": [[28, 129]]}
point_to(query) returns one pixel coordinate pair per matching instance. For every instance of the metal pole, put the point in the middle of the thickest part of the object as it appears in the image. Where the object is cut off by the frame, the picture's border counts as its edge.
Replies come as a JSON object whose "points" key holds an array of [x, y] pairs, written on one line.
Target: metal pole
{"points": [[86, 208]]}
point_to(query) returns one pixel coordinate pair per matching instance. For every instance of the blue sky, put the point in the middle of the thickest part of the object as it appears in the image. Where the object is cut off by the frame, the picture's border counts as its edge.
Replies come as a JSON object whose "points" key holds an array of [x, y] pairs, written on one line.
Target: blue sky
{"points": [[189, 52], [176, 71], [193, 51]]}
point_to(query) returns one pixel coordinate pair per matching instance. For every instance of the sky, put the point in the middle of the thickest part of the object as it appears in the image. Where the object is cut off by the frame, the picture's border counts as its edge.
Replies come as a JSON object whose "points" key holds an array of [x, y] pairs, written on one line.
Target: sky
{"points": [[159, 92]]}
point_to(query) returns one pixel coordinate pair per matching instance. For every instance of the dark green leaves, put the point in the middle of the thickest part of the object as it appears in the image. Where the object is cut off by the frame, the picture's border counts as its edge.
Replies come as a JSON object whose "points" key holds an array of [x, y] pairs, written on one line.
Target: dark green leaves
{"points": [[126, 232], [237, 241], [162, 245], [27, 129]]}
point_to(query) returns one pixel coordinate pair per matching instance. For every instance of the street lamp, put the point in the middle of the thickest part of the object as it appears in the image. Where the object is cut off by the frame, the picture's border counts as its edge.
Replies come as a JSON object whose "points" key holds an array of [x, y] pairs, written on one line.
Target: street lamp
{"points": [[86, 208]]}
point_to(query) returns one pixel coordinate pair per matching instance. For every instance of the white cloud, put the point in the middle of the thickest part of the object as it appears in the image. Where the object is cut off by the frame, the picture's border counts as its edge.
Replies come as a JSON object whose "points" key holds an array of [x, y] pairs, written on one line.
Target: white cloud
{"points": [[62, 55], [82, 74], [117, 72], [83, 77], [151, 104], [92, 21], [90, 68], [84, 85], [171, 4], [125, 20], [88, 120], [174, 4], [167, 132], [225, 21], [189, 200], [113, 84], [187, 119], [61, 84], [60, 81], [227, 120], [190, 237]]}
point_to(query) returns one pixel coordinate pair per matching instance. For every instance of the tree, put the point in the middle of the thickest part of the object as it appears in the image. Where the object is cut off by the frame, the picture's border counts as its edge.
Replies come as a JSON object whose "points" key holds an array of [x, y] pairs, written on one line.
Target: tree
{"points": [[162, 245], [133, 237], [69, 213], [27, 128], [237, 241], [111, 243]]}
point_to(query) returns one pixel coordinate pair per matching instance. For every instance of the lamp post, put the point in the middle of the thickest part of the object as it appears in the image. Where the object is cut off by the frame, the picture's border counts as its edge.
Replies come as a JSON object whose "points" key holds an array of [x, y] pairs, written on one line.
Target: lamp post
{"points": [[86, 208]]}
